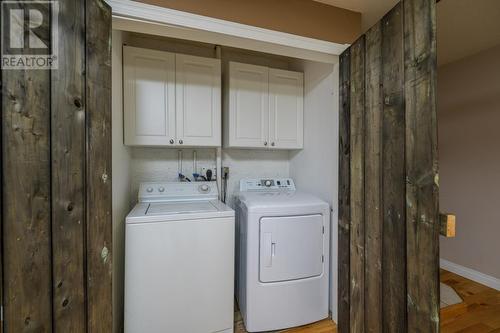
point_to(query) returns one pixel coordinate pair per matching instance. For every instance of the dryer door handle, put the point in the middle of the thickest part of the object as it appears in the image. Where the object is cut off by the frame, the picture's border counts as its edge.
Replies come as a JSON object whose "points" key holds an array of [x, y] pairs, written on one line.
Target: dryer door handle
{"points": [[268, 249]]}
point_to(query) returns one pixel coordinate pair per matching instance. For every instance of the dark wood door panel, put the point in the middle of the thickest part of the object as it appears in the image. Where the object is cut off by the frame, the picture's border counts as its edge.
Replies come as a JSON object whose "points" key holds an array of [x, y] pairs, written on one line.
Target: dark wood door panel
{"points": [[388, 191]]}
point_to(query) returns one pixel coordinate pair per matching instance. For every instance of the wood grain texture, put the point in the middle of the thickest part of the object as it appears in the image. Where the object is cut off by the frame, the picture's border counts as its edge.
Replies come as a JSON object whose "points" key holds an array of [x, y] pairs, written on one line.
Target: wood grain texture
{"points": [[392, 168], [99, 221], [1, 190], [393, 185], [447, 225], [68, 171], [26, 196], [479, 312], [344, 194], [357, 129], [422, 190], [373, 180]]}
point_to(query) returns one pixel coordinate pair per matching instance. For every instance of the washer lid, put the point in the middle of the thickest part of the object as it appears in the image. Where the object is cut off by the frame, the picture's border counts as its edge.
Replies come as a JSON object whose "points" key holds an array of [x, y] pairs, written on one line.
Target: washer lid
{"points": [[162, 208], [145, 212]]}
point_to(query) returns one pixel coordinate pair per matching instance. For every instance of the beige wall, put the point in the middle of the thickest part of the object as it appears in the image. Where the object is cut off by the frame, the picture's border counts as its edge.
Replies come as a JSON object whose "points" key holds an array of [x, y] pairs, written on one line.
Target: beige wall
{"points": [[300, 17], [469, 159]]}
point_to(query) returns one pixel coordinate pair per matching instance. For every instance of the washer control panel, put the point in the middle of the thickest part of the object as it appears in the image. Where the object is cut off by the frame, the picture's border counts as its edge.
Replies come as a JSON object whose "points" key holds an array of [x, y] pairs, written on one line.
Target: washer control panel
{"points": [[177, 191], [266, 184]]}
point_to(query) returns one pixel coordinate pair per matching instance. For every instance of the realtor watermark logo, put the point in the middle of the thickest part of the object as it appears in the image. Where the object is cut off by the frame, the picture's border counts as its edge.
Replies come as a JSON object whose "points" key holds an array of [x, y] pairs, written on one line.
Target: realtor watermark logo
{"points": [[29, 34]]}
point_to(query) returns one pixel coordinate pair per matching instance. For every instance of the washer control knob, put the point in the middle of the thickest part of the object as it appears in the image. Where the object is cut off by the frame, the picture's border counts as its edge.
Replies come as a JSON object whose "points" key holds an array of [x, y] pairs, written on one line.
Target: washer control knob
{"points": [[149, 189], [161, 189], [268, 183], [204, 188]]}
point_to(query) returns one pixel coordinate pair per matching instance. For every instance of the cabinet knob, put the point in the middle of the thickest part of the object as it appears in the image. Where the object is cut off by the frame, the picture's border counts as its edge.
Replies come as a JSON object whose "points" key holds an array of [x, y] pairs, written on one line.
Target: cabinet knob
{"points": [[171, 141], [265, 143], [181, 142], [272, 144]]}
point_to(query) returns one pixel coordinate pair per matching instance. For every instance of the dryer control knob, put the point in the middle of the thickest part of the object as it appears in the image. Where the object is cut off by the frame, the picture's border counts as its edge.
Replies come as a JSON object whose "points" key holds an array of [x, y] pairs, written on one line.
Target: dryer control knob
{"points": [[204, 188], [268, 183], [161, 189], [149, 189]]}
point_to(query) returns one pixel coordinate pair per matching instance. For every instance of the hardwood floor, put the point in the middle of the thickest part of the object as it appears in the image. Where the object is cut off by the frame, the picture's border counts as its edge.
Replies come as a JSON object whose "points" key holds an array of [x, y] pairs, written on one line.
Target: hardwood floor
{"points": [[479, 313]]}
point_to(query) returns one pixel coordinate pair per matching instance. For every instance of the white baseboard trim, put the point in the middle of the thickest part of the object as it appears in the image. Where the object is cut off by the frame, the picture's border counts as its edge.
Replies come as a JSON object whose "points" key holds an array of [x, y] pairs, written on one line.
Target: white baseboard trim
{"points": [[470, 274]]}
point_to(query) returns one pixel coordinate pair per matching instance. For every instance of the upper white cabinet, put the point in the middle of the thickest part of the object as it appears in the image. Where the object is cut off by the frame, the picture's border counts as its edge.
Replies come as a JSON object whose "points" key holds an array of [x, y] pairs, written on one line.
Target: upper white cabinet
{"points": [[263, 108], [286, 109], [198, 99], [171, 99], [247, 123], [149, 96]]}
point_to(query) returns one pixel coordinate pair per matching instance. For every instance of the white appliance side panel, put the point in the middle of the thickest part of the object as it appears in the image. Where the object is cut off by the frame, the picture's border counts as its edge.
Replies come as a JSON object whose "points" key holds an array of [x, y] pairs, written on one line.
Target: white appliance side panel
{"points": [[179, 276], [291, 247]]}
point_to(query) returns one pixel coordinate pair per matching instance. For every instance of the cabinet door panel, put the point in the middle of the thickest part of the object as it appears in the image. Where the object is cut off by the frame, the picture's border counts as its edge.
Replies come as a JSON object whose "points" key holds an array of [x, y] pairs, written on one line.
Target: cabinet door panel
{"points": [[198, 100], [286, 119], [248, 105], [149, 96]]}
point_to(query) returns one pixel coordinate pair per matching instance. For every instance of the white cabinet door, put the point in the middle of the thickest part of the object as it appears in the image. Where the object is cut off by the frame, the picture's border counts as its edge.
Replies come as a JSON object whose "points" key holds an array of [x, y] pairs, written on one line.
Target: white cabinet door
{"points": [[248, 114], [149, 96], [286, 108], [198, 101]]}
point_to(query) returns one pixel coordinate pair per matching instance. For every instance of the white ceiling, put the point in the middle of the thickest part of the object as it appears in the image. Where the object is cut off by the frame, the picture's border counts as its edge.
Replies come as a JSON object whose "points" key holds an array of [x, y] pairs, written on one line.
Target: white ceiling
{"points": [[464, 27]]}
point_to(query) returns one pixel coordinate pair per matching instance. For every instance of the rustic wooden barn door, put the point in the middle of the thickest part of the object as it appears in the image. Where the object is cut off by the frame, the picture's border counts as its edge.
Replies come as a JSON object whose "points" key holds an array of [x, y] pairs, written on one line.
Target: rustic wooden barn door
{"points": [[56, 173], [388, 218]]}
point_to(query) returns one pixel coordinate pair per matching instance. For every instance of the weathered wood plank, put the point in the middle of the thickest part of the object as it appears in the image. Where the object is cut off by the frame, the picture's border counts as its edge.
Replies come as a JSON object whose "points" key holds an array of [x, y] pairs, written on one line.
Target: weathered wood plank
{"points": [[344, 194], [1, 189], [373, 180], [357, 261], [422, 208], [99, 222], [447, 225], [68, 170], [26, 196], [393, 185]]}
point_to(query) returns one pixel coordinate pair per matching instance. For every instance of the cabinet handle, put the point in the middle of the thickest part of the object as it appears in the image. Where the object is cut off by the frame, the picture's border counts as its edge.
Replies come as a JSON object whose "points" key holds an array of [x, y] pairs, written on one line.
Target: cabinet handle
{"points": [[181, 142], [171, 141], [272, 144], [265, 143]]}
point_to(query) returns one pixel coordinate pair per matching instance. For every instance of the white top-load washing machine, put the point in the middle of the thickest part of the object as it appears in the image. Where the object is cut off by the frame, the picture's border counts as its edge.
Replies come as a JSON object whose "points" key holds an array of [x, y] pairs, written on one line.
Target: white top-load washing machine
{"points": [[282, 255], [179, 260]]}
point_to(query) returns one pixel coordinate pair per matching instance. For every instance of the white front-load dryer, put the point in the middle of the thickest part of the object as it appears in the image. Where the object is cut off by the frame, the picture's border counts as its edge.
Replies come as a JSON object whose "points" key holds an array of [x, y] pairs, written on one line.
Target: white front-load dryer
{"points": [[282, 255]]}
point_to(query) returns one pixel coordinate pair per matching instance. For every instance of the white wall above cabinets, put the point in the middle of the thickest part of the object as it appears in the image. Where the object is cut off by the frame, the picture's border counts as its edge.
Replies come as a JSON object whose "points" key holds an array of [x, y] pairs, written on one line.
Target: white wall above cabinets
{"points": [[171, 99], [263, 107]]}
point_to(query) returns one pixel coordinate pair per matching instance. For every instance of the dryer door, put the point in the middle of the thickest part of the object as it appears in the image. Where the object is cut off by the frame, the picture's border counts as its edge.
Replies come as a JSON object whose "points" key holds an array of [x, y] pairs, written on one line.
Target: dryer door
{"points": [[291, 247]]}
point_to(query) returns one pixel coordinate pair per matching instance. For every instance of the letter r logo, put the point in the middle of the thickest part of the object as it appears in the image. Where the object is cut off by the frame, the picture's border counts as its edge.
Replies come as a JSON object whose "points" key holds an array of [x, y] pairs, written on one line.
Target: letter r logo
{"points": [[28, 27], [29, 34]]}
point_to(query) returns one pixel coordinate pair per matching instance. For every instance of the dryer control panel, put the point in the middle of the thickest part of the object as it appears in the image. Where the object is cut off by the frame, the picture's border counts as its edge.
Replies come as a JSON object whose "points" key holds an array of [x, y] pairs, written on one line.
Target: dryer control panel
{"points": [[267, 184]]}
